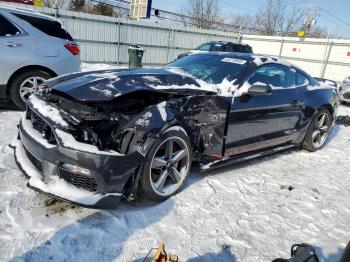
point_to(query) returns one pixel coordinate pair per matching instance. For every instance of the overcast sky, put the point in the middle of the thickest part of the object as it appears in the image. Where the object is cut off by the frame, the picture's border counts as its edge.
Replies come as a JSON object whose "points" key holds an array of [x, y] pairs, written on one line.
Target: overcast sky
{"points": [[338, 8]]}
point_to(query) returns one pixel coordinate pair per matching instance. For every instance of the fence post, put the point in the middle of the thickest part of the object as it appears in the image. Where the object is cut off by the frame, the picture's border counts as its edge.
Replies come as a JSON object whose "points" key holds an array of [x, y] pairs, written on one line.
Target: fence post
{"points": [[281, 48], [173, 41], [118, 48], [240, 35], [168, 45], [325, 62]]}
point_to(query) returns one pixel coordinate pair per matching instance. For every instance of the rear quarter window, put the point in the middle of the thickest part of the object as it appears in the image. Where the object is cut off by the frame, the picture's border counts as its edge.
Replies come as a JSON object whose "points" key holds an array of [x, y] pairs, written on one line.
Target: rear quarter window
{"points": [[301, 80], [7, 28], [49, 27]]}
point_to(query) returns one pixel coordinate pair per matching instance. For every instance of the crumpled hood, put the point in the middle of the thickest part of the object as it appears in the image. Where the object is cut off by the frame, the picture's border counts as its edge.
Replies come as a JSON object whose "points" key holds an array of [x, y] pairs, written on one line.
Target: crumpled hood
{"points": [[107, 85]]}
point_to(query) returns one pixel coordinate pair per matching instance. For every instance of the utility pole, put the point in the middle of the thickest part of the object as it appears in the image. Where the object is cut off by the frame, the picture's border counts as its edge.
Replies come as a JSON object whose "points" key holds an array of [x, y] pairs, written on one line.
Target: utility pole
{"points": [[310, 19]]}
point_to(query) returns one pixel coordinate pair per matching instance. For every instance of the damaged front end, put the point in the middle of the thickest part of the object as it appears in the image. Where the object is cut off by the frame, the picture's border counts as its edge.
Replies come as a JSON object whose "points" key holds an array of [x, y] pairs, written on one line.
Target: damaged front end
{"points": [[75, 156], [84, 138]]}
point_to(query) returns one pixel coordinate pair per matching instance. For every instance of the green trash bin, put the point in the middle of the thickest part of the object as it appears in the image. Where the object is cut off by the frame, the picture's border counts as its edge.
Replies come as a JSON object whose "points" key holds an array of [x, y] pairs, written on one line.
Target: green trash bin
{"points": [[135, 56]]}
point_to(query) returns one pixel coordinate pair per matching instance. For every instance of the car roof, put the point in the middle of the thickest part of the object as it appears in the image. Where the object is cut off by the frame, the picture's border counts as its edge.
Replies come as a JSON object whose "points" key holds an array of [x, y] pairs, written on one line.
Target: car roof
{"points": [[25, 11], [253, 58], [245, 56], [224, 43]]}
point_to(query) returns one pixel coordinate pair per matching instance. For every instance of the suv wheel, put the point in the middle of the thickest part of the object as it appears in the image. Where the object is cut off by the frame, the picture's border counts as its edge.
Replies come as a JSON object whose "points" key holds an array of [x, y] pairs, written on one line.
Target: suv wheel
{"points": [[24, 85]]}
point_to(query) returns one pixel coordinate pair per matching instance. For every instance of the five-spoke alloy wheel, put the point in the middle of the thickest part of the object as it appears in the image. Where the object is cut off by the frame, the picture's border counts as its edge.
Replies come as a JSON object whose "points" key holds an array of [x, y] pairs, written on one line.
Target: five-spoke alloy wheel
{"points": [[318, 131], [24, 84], [168, 165]]}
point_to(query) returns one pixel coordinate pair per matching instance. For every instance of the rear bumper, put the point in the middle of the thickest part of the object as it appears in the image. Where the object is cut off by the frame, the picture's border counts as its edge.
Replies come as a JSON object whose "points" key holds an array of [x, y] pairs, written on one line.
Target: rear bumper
{"points": [[100, 186], [345, 98], [344, 93], [67, 66]]}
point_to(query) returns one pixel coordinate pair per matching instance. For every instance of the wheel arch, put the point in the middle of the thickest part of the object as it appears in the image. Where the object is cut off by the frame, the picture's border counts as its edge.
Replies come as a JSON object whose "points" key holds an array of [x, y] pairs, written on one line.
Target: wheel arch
{"points": [[328, 107], [132, 185], [26, 69]]}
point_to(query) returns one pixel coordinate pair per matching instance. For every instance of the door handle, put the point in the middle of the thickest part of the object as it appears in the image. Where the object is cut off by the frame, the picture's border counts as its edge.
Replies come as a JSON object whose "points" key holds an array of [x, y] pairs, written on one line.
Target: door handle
{"points": [[12, 44]]}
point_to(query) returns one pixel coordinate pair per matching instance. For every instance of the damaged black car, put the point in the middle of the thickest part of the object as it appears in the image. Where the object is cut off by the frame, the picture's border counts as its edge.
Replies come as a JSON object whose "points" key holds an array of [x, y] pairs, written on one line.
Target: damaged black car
{"points": [[98, 137]]}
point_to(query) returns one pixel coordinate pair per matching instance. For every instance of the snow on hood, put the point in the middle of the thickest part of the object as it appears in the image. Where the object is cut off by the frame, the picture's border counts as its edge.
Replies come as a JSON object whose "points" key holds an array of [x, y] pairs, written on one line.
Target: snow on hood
{"points": [[105, 86]]}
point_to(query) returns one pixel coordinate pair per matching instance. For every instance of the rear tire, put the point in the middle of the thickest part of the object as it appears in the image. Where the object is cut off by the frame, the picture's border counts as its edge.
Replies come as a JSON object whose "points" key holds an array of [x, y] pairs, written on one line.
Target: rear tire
{"points": [[318, 131], [167, 167], [24, 84]]}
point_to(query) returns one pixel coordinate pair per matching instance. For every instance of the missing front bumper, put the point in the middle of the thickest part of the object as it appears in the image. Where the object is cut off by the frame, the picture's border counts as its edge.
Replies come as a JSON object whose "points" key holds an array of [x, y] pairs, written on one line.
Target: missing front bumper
{"points": [[58, 188], [98, 180]]}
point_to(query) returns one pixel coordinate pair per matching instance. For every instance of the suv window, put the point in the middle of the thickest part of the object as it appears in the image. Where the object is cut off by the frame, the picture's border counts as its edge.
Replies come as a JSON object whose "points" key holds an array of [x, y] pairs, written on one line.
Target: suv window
{"points": [[49, 27], [237, 48], [243, 49], [205, 47], [278, 76], [7, 28]]}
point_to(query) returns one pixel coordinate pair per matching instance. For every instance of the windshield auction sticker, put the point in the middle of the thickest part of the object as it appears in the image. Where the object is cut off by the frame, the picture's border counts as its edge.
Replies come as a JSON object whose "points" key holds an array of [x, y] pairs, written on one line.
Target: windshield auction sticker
{"points": [[233, 60]]}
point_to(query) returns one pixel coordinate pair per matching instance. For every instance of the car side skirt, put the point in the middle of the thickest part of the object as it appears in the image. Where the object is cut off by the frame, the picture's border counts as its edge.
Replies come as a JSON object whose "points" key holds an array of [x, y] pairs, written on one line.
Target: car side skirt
{"points": [[231, 160]]}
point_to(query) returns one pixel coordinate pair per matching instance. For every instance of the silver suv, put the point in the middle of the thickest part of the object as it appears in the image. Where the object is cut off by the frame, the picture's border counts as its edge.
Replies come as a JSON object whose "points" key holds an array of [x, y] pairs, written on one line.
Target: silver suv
{"points": [[33, 47], [344, 90]]}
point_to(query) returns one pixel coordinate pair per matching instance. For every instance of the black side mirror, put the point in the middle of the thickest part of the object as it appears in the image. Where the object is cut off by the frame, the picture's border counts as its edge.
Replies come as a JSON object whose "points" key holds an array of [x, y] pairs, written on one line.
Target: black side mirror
{"points": [[259, 89]]}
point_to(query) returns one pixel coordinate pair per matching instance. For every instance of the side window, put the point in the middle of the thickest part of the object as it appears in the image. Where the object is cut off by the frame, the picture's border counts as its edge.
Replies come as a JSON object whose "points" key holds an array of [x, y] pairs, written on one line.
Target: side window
{"points": [[228, 48], [277, 76], [205, 47], [49, 27], [301, 80], [217, 47], [7, 28]]}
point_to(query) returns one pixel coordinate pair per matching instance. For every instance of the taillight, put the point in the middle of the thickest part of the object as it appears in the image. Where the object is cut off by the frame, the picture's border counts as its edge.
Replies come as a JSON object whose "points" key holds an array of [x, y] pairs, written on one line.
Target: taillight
{"points": [[73, 48]]}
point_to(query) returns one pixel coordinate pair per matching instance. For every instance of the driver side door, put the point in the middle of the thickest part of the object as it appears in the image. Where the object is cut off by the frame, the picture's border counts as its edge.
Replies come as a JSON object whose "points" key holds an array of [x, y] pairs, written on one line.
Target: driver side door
{"points": [[259, 121]]}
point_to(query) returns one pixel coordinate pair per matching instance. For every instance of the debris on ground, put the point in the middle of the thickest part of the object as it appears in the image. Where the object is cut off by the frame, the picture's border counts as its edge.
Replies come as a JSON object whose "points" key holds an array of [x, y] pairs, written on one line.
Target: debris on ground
{"points": [[290, 188], [343, 120]]}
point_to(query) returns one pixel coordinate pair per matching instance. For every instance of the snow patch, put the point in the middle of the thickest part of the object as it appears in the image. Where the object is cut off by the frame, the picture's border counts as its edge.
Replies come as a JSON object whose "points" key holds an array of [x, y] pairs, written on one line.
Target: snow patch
{"points": [[321, 86], [85, 67], [152, 79], [69, 141], [104, 92], [162, 110], [144, 120], [28, 128], [47, 110]]}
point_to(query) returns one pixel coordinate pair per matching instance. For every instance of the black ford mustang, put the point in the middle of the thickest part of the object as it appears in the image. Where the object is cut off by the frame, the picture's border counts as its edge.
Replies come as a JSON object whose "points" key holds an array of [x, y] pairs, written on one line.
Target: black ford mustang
{"points": [[93, 138]]}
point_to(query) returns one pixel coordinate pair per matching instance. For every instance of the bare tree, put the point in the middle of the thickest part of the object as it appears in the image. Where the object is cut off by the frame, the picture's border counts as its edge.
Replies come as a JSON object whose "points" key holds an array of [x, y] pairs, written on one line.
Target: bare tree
{"points": [[320, 32], [276, 18], [103, 9], [76, 5], [204, 13], [243, 23], [55, 3]]}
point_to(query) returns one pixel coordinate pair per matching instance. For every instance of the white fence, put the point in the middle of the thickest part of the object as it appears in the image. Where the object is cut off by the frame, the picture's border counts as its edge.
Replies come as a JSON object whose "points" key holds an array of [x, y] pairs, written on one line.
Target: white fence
{"points": [[319, 57], [105, 40]]}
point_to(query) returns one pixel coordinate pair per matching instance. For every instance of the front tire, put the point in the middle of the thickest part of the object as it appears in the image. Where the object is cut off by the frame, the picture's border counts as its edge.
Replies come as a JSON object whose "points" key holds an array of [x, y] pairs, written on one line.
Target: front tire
{"points": [[167, 167], [318, 131], [24, 85]]}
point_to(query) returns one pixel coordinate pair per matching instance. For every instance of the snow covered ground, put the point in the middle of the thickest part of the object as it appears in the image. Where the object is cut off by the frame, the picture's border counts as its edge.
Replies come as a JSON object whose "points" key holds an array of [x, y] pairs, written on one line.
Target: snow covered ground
{"points": [[92, 67], [253, 211]]}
